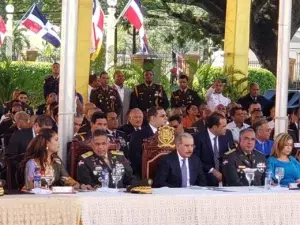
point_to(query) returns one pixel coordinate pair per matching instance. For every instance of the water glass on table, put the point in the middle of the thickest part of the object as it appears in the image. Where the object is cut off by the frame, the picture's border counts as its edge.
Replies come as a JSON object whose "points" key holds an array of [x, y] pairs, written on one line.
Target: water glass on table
{"points": [[279, 174]]}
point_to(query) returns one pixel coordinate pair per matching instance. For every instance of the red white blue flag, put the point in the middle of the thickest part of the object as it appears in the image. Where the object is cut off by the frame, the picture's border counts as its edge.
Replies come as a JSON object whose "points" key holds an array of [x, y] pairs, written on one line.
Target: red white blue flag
{"points": [[2, 31], [35, 21]]}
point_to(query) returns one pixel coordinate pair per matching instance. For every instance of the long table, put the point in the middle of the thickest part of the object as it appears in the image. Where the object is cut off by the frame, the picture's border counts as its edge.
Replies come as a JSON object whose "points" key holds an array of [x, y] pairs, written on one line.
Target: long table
{"points": [[235, 205]]}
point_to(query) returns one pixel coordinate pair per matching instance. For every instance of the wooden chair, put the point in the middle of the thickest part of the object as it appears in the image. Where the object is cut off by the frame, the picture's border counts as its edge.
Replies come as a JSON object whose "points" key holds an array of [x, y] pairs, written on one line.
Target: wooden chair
{"points": [[162, 143], [77, 148]]}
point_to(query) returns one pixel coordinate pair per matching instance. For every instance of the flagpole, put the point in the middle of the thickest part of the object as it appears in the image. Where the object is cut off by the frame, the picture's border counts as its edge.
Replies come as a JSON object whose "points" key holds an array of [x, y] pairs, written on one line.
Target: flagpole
{"points": [[122, 13]]}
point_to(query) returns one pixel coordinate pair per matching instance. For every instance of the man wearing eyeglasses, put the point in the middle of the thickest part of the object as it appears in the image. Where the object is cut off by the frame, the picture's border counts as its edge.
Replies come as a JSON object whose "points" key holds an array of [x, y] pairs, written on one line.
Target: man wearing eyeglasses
{"points": [[157, 117], [262, 134], [180, 168]]}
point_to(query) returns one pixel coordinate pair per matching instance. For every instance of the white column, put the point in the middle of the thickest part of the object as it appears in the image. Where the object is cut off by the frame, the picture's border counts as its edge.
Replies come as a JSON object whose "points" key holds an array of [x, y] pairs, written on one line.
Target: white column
{"points": [[110, 37], [9, 30], [67, 75], [284, 33]]}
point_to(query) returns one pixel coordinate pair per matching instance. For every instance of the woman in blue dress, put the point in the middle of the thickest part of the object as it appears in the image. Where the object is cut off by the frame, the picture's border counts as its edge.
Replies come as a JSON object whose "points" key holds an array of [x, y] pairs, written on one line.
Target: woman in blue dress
{"points": [[281, 157]]}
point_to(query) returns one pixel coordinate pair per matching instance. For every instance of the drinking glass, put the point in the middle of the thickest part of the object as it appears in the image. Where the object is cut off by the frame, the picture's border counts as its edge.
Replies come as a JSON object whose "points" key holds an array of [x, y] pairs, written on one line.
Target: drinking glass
{"points": [[279, 174], [249, 173], [117, 173]]}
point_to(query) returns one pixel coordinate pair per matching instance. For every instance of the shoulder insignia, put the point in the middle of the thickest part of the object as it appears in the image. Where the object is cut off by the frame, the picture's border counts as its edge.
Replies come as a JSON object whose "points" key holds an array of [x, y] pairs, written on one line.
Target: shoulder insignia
{"points": [[116, 152], [87, 154], [230, 151]]}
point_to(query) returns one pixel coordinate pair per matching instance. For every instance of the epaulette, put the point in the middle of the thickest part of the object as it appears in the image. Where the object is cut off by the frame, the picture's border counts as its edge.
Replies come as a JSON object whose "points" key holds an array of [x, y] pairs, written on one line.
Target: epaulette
{"points": [[87, 154], [81, 135], [230, 151], [113, 152]]}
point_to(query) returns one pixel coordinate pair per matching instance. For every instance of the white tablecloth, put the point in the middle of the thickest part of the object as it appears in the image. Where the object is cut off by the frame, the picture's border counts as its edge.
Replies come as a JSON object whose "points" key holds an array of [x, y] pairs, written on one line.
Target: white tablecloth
{"points": [[192, 206]]}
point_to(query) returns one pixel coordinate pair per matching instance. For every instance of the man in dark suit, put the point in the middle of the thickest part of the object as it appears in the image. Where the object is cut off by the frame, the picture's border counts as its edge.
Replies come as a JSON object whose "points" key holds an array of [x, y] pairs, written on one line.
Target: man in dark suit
{"points": [[135, 122], [254, 96], [211, 145], [180, 168], [157, 117], [245, 156]]}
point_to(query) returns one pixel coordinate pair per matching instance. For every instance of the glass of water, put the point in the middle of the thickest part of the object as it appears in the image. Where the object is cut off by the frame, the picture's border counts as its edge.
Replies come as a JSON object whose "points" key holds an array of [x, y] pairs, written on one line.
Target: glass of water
{"points": [[279, 174], [249, 173]]}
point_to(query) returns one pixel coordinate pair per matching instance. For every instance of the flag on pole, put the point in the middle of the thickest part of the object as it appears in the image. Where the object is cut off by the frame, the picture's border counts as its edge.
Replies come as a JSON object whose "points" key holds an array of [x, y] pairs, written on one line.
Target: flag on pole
{"points": [[97, 29], [178, 62], [2, 31], [134, 15], [35, 21]]}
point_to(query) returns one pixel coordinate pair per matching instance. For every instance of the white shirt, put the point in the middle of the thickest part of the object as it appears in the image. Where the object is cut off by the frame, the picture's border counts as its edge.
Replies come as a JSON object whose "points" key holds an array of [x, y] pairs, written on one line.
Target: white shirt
{"points": [[120, 91], [33, 133], [187, 167], [213, 99], [236, 130], [272, 124], [154, 129], [212, 141]]}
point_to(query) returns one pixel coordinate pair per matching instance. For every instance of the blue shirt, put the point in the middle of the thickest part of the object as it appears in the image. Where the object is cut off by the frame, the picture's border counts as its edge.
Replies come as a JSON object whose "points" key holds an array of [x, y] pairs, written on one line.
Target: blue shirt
{"points": [[291, 169], [264, 147]]}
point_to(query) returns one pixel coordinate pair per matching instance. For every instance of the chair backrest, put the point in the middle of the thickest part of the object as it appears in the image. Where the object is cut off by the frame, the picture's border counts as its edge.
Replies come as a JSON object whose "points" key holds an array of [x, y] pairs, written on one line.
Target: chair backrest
{"points": [[162, 143], [77, 148]]}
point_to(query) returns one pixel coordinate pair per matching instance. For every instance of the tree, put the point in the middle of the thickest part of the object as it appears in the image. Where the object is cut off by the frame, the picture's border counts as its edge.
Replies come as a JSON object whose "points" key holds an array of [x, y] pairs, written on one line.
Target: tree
{"points": [[263, 25]]}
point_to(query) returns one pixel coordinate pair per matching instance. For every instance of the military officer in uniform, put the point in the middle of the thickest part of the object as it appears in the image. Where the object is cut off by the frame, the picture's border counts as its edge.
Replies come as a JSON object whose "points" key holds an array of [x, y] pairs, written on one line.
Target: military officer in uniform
{"points": [[98, 122], [51, 83], [105, 97], [148, 94], [184, 96], [245, 156], [91, 161]]}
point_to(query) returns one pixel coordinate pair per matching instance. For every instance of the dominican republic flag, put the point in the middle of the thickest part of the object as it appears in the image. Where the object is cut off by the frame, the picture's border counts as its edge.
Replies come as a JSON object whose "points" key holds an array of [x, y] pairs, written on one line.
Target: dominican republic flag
{"points": [[35, 21], [134, 15], [97, 29], [2, 31], [177, 62]]}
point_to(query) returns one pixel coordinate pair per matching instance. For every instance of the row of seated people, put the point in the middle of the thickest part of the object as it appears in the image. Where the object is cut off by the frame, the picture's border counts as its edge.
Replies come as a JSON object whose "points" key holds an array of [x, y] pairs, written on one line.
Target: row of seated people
{"points": [[157, 118]]}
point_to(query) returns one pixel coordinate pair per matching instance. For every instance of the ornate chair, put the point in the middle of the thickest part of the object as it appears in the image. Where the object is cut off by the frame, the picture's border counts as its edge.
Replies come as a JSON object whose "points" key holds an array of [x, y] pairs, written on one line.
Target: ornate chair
{"points": [[162, 143], [76, 149]]}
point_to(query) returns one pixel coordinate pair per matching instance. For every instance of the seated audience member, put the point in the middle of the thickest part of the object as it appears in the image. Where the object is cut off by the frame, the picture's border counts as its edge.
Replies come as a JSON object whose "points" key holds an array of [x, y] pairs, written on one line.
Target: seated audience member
{"points": [[294, 123], [201, 123], [237, 124], [116, 137], [271, 118], [98, 121], [176, 111], [23, 98], [22, 120], [281, 157], [78, 119], [175, 122], [263, 143], [228, 110], [254, 107], [255, 116], [211, 144], [135, 122], [101, 157], [180, 168], [215, 97], [157, 117], [42, 153], [86, 123], [245, 156], [51, 98], [191, 116], [7, 105]]}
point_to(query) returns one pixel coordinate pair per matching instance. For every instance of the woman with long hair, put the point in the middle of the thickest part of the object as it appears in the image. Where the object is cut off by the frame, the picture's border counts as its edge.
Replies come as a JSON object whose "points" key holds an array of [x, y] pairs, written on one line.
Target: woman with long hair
{"points": [[281, 157], [191, 116], [42, 152]]}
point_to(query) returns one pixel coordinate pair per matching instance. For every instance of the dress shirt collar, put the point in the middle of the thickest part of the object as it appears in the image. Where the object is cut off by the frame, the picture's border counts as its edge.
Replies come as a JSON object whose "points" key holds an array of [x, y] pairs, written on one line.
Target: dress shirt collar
{"points": [[111, 131], [243, 126], [56, 77], [260, 142], [211, 135], [33, 133], [119, 87], [181, 158], [154, 129]]}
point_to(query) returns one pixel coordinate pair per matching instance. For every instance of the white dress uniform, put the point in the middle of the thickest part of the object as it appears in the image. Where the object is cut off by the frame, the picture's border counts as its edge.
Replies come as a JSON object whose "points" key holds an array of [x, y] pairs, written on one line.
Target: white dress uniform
{"points": [[213, 99]]}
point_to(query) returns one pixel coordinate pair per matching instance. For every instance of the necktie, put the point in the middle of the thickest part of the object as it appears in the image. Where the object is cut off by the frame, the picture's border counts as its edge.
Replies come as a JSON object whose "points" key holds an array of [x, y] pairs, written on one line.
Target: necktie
{"points": [[249, 157], [114, 133], [184, 174], [216, 153], [106, 160]]}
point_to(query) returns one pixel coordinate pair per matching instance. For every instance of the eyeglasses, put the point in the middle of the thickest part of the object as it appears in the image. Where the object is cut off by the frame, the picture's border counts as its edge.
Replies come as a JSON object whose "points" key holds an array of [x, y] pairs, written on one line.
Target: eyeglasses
{"points": [[163, 115]]}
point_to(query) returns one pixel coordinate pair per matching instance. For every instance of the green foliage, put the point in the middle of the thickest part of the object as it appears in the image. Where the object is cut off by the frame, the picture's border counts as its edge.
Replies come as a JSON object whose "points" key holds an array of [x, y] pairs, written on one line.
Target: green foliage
{"points": [[236, 80], [26, 76]]}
